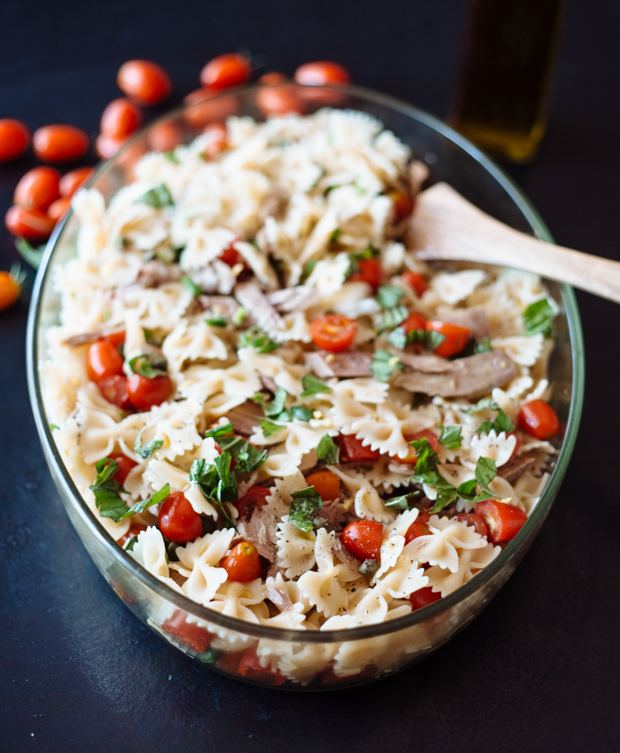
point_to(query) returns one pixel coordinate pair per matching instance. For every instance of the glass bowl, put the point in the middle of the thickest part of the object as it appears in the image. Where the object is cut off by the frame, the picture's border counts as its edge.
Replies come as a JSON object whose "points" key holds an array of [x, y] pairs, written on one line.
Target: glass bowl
{"points": [[304, 660]]}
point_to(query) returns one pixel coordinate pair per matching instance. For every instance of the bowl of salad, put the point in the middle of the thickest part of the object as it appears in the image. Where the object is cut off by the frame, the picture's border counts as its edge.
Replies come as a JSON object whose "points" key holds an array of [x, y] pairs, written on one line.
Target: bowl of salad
{"points": [[300, 454]]}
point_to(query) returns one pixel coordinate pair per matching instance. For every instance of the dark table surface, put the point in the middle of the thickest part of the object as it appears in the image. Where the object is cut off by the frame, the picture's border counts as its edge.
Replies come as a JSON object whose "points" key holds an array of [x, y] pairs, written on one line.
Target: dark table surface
{"points": [[540, 668]]}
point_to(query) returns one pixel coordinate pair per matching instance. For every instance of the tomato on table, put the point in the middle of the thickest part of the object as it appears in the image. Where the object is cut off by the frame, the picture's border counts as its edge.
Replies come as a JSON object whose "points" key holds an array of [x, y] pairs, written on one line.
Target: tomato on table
{"points": [[120, 118], [326, 484], [362, 539], [538, 419], [125, 464], [419, 527], [242, 563], [503, 521], [164, 137], [32, 224], [37, 188], [353, 451], [225, 71], [279, 99], [271, 79], [256, 496], [322, 73], [251, 668], [475, 521], [416, 282], [333, 332], [144, 82], [134, 528], [60, 143], [106, 146], [456, 337], [14, 139], [411, 457], [72, 181], [189, 633], [145, 393], [10, 288], [369, 271], [103, 360], [203, 112], [178, 521], [402, 206], [423, 597], [57, 209]]}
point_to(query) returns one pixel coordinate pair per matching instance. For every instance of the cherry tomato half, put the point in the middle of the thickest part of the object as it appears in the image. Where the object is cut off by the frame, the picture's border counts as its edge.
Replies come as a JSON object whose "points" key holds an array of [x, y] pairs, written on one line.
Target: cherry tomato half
{"points": [[362, 539], [178, 521], [503, 521], [352, 450], [116, 338], [134, 528], [413, 322], [402, 206], [120, 119], [144, 82], [115, 390], [144, 393], [37, 188], [326, 484], [251, 668], [242, 563], [10, 289], [256, 496], [475, 521], [416, 282], [189, 633], [125, 464], [103, 360], [411, 457], [14, 139], [419, 527], [538, 419], [333, 332], [370, 271], [322, 73], [60, 143], [32, 224], [423, 597], [59, 208], [72, 181], [456, 337], [225, 71]]}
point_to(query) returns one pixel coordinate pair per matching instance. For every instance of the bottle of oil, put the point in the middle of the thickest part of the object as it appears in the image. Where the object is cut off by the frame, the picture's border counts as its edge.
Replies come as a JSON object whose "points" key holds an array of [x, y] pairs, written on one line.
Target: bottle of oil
{"points": [[505, 74]]}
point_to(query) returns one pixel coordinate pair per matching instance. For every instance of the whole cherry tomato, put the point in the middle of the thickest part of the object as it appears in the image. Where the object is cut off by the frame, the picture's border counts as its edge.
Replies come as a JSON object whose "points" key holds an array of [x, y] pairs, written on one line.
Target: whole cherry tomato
{"points": [[279, 99], [256, 496], [353, 451], [37, 188], [362, 539], [370, 271], [242, 563], [120, 119], [413, 322], [178, 521], [251, 668], [189, 633], [10, 288], [125, 464], [326, 484], [103, 360], [333, 332], [134, 528], [116, 338], [14, 139], [225, 71], [456, 337], [475, 521], [72, 181], [401, 203], [59, 143], [164, 137], [59, 208], [106, 146], [503, 521], [271, 79], [144, 82], [115, 390], [144, 393], [203, 112], [322, 73], [416, 282], [419, 527], [32, 224], [411, 457], [423, 597], [538, 419]]}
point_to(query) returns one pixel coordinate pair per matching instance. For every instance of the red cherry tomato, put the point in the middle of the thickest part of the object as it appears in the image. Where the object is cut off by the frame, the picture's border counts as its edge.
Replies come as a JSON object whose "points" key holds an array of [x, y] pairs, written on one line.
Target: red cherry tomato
{"points": [[333, 332], [10, 288], [115, 390], [59, 208], [256, 496], [362, 539], [231, 256], [352, 450], [116, 338], [178, 521], [32, 224], [402, 206], [60, 143], [411, 457], [202, 112], [144, 393], [120, 119], [419, 527], [242, 563], [189, 633], [134, 528], [217, 143], [271, 79], [503, 521], [326, 484], [103, 360], [456, 337], [72, 181], [413, 322], [106, 147], [538, 419], [475, 521], [251, 668], [144, 82], [423, 597], [38, 188], [125, 464], [370, 271], [279, 100], [14, 139], [322, 73], [416, 282], [165, 137], [225, 71]]}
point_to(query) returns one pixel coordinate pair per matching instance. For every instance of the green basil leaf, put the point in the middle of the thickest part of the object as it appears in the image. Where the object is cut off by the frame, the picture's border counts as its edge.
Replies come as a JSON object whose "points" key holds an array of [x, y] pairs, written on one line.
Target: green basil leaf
{"points": [[333, 238], [398, 338], [538, 318], [276, 406], [216, 321], [388, 296], [269, 427], [141, 506], [501, 423], [239, 316], [301, 413], [483, 345], [54, 426], [149, 448], [248, 458], [308, 270], [130, 543], [487, 403], [486, 471], [383, 364], [327, 450], [171, 157], [148, 365], [451, 436], [392, 318], [434, 340], [304, 508], [313, 385], [257, 339], [221, 430], [188, 283], [401, 502], [157, 197], [226, 490]]}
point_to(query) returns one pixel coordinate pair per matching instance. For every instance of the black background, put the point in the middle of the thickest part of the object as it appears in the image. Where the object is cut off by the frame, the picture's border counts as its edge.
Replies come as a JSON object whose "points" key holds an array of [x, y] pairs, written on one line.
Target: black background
{"points": [[540, 668]]}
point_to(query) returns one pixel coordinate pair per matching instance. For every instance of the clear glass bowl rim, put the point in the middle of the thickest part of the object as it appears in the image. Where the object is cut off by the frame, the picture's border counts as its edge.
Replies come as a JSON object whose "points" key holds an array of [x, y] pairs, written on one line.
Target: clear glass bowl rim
{"points": [[522, 539]]}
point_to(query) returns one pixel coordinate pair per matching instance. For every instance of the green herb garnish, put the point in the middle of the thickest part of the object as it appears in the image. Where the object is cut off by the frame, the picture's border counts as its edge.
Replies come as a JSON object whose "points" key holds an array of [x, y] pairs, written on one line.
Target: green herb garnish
{"points": [[327, 450], [239, 316], [216, 321], [148, 365], [154, 499], [269, 427], [538, 318], [149, 448], [304, 508], [392, 317], [451, 436], [388, 296], [157, 197], [257, 339], [188, 283], [499, 424], [313, 385], [383, 364], [301, 413]]}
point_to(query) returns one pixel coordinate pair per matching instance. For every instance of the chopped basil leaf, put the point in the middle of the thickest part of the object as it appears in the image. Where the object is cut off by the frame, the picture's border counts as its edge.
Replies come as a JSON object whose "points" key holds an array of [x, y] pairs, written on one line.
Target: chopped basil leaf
{"points": [[248, 458], [171, 157], [308, 270], [216, 321], [501, 423], [383, 365], [538, 318], [216, 481], [368, 567], [257, 339], [304, 508], [313, 385], [434, 340], [333, 238], [54, 426], [239, 316], [487, 403], [148, 365], [451, 436], [141, 506], [130, 543], [327, 450], [29, 253], [401, 502], [221, 430], [210, 656], [301, 413], [486, 471], [392, 317], [426, 473], [276, 406], [194, 289], [398, 338], [157, 197], [483, 345], [107, 491], [269, 427], [358, 189], [227, 485], [388, 296], [149, 448], [467, 490]]}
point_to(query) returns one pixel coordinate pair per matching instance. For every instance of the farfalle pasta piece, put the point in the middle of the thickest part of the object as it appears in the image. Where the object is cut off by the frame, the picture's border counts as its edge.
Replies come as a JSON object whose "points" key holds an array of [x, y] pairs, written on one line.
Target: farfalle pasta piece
{"points": [[200, 559], [322, 588], [150, 552], [367, 502], [296, 549], [445, 543]]}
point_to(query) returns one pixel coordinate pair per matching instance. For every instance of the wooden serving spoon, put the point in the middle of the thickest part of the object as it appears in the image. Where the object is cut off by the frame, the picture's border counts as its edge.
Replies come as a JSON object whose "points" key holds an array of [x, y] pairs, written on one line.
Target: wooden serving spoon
{"points": [[447, 226]]}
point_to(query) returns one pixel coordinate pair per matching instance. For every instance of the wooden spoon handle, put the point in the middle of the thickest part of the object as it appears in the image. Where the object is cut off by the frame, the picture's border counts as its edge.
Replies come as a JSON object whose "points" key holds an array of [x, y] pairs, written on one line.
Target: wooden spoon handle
{"points": [[447, 226]]}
